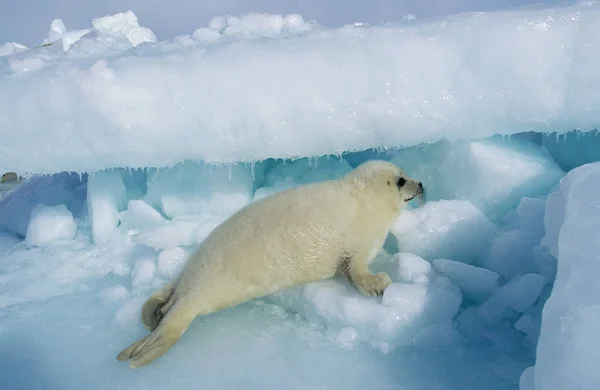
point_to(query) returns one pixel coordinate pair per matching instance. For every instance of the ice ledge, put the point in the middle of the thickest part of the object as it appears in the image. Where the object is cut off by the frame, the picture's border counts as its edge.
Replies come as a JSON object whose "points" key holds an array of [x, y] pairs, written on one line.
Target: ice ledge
{"points": [[306, 92]]}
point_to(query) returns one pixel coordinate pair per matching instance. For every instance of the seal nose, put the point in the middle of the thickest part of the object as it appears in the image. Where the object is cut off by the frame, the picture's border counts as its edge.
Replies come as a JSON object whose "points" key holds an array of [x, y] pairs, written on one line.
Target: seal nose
{"points": [[420, 185]]}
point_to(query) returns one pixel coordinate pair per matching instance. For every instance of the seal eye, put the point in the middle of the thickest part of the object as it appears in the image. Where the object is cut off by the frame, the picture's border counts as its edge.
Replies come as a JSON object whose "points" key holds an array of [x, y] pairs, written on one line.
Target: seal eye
{"points": [[401, 182]]}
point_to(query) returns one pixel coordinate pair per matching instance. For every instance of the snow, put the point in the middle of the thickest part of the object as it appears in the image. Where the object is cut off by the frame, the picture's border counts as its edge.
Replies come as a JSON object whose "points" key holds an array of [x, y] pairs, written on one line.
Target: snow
{"points": [[170, 261], [50, 224], [149, 145], [309, 90], [412, 268]]}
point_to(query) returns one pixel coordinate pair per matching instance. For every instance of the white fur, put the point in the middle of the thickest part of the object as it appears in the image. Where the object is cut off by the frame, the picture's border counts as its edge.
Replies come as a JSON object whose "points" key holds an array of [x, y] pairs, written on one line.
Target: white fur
{"points": [[293, 237]]}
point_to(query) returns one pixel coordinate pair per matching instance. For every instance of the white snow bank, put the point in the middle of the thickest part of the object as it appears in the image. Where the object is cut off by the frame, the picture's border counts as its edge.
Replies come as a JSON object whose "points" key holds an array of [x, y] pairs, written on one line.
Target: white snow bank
{"points": [[567, 352], [309, 92]]}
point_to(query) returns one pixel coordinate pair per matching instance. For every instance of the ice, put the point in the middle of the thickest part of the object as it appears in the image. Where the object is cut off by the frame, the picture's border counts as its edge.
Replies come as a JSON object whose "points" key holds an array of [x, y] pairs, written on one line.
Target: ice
{"points": [[474, 282], [453, 229], [10, 48], [180, 232], [526, 382], [17, 205], [252, 26], [516, 296], [566, 350], [301, 171], [58, 32], [192, 188], [114, 294], [169, 138], [387, 322], [57, 29], [573, 148], [140, 215], [143, 273], [106, 197], [492, 174], [50, 224], [124, 24], [170, 261], [353, 88], [412, 268], [517, 251]]}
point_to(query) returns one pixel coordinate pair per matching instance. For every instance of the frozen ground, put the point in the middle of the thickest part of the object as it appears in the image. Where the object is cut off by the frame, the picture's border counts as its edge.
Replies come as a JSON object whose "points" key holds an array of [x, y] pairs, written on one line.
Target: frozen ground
{"points": [[509, 225]]}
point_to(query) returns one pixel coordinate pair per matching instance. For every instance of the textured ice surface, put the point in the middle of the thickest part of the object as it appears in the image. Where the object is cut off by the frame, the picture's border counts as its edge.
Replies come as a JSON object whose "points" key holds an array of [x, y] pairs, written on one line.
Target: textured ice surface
{"points": [[16, 207], [322, 91], [301, 171], [385, 322], [492, 174], [49, 224], [193, 188], [517, 251], [474, 282], [574, 148], [106, 196], [571, 319], [413, 268], [453, 229], [516, 296]]}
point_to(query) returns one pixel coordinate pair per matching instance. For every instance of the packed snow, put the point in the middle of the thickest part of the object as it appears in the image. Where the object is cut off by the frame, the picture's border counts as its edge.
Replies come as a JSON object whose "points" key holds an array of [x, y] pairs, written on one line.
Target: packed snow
{"points": [[125, 99], [135, 150]]}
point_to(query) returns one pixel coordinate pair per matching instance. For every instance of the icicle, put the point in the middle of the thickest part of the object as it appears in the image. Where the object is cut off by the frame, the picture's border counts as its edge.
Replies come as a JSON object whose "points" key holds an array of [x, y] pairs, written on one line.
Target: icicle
{"points": [[229, 171], [252, 167]]}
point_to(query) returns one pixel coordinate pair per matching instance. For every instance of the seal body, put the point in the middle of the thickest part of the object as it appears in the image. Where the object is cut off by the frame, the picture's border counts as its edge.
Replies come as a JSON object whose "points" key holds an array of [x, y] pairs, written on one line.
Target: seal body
{"points": [[297, 236]]}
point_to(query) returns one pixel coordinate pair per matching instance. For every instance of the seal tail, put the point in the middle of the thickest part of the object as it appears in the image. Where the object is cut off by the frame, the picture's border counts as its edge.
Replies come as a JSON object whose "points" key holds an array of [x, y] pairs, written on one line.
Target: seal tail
{"points": [[162, 338], [157, 306]]}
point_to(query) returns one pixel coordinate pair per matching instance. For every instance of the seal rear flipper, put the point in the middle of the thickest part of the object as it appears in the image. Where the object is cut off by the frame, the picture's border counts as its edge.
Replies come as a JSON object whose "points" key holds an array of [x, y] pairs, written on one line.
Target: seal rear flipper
{"points": [[157, 343], [157, 306]]}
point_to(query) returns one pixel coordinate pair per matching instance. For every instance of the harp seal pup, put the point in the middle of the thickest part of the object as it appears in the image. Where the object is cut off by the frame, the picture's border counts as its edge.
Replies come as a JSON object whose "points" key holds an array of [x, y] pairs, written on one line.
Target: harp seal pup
{"points": [[301, 235]]}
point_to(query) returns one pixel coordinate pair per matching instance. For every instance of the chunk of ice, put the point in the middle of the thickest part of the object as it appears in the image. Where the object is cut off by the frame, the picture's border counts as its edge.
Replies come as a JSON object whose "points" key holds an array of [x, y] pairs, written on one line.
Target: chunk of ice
{"points": [[170, 261], [516, 296], [141, 216], [192, 188], [474, 282], [390, 321], [493, 175], [453, 229], [106, 196], [566, 351], [49, 224], [412, 268]]}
